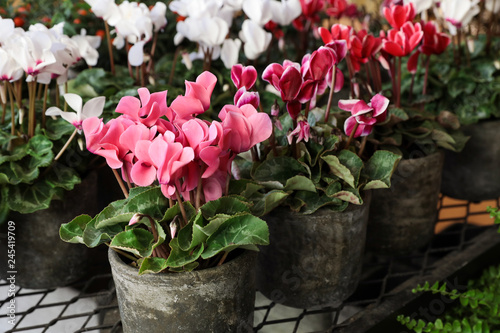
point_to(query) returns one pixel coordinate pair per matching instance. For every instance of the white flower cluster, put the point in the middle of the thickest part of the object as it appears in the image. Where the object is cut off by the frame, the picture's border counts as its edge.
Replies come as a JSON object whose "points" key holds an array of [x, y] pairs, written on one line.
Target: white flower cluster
{"points": [[208, 22], [134, 23], [42, 52]]}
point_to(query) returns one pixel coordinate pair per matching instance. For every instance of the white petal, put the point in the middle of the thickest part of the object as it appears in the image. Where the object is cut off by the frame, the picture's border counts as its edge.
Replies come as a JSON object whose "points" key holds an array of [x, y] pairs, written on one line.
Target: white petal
{"points": [[74, 101], [230, 51], [94, 107], [136, 54], [258, 11]]}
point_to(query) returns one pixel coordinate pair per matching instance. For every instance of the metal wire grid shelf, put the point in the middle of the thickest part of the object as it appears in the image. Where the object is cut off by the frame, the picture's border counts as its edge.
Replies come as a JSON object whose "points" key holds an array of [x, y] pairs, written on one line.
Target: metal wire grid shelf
{"points": [[90, 306]]}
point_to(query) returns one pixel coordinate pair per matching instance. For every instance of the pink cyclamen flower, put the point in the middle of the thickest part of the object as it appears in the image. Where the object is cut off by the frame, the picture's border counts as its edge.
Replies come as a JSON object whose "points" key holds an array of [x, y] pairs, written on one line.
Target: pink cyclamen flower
{"points": [[302, 132], [243, 127], [243, 76], [364, 116], [147, 109], [243, 97], [397, 15]]}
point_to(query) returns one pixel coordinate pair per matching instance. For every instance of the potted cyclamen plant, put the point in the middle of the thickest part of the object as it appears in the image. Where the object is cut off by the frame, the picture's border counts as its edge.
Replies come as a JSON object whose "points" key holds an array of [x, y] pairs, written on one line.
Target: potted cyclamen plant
{"points": [[177, 220], [312, 185], [39, 161], [466, 82], [402, 218]]}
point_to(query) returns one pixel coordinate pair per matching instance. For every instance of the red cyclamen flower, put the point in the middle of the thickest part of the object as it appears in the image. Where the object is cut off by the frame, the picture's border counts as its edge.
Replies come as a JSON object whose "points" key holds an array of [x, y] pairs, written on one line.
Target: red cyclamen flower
{"points": [[434, 42], [400, 43], [397, 15]]}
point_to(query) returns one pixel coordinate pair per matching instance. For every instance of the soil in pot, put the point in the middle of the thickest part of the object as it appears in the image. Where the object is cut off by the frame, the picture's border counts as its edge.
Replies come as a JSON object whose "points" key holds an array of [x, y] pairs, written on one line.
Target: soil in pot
{"points": [[312, 260], [473, 174], [402, 217], [42, 259], [219, 299]]}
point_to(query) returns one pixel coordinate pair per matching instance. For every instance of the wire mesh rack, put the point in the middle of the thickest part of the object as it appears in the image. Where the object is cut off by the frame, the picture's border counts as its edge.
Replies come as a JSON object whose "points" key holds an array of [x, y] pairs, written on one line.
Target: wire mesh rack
{"points": [[463, 232]]}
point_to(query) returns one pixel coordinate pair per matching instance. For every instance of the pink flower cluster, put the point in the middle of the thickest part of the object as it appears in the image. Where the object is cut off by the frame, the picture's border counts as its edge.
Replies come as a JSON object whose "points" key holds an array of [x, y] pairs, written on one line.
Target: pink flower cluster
{"points": [[151, 141], [364, 116]]}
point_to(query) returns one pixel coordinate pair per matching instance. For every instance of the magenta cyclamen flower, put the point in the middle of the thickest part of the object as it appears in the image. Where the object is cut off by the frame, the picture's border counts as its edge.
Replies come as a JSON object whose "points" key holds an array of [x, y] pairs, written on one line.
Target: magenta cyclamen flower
{"points": [[182, 151], [364, 116], [243, 76]]}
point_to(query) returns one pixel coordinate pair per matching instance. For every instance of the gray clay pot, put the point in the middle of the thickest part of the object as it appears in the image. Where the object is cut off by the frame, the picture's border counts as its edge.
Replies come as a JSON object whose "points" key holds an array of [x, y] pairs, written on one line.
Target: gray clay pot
{"points": [[42, 259], [402, 218], [219, 299], [474, 173], [312, 260]]}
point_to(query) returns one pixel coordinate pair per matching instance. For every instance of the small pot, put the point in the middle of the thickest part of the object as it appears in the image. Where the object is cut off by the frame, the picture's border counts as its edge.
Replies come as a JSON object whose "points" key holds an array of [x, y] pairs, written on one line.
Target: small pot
{"points": [[219, 299], [473, 174], [42, 259], [402, 217], [312, 260]]}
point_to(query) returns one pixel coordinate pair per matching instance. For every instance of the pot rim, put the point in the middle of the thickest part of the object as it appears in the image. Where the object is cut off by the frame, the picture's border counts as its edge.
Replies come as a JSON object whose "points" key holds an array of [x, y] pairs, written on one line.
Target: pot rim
{"points": [[129, 272]]}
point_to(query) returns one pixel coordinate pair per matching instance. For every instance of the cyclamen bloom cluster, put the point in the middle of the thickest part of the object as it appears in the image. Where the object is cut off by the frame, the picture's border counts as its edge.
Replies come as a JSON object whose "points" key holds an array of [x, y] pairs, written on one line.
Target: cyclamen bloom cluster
{"points": [[151, 141], [42, 53]]}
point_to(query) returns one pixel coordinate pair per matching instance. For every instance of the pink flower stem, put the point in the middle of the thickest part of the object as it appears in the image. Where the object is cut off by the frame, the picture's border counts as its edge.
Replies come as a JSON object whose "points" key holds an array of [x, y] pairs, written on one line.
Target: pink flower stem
{"points": [[181, 206], [110, 48], [199, 191], [330, 96], [143, 74], [66, 144], [363, 145], [411, 87], [426, 74], [120, 182], [130, 72], [31, 112], [351, 136], [161, 250]]}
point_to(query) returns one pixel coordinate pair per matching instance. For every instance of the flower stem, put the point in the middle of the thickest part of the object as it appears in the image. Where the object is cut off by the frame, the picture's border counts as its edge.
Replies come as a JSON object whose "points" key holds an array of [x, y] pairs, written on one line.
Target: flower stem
{"points": [[174, 63], [426, 75], [45, 90], [181, 206], [31, 113], [120, 182], [66, 144], [153, 49], [398, 97], [330, 96], [351, 136], [12, 111], [110, 48], [221, 261], [198, 193], [363, 145]]}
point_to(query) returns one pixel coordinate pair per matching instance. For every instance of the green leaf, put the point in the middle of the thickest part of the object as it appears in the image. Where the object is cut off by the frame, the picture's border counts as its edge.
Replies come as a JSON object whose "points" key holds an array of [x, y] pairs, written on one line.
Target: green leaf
{"points": [[152, 265], [26, 198], [350, 195], [180, 258], [93, 237], [280, 169], [268, 202], [224, 205], [300, 183], [347, 166], [175, 210], [191, 235], [314, 201], [460, 86], [137, 241], [235, 232], [379, 169], [72, 232]]}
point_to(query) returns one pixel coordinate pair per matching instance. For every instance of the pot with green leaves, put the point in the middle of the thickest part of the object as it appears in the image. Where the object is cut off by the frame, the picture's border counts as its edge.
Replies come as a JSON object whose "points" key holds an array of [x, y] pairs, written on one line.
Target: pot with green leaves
{"points": [[175, 223], [473, 173], [402, 218], [33, 246]]}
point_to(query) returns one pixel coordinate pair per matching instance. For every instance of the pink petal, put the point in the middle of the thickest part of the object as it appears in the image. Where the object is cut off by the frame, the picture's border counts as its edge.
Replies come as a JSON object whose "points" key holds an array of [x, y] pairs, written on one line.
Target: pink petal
{"points": [[361, 108], [379, 104], [195, 132], [326, 36], [290, 84], [413, 62], [143, 174], [211, 157], [347, 104], [207, 80], [129, 105], [132, 135], [393, 49], [272, 69], [236, 72], [262, 127], [185, 107], [142, 151], [212, 189]]}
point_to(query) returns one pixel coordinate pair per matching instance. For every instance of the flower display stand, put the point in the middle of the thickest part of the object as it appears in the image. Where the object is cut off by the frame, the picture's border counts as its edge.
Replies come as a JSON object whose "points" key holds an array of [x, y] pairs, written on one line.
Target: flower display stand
{"points": [[460, 246]]}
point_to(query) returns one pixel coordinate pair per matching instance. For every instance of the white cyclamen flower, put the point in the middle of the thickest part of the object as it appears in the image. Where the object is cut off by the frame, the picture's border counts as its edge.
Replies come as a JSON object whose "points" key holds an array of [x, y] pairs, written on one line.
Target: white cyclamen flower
{"points": [[259, 11], [105, 9], [93, 108], [285, 11], [229, 52], [255, 38], [459, 13], [420, 5], [492, 6]]}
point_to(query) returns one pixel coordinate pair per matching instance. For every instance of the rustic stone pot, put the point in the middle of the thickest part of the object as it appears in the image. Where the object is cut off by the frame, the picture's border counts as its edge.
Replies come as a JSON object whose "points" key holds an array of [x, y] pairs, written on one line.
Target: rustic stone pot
{"points": [[42, 259], [474, 173], [219, 299], [312, 260], [402, 218]]}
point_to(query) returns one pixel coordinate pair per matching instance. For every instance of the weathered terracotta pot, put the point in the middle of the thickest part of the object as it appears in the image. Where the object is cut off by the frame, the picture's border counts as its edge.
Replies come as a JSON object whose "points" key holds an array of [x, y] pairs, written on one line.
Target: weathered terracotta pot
{"points": [[402, 217], [42, 259], [219, 299], [312, 260], [474, 173]]}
